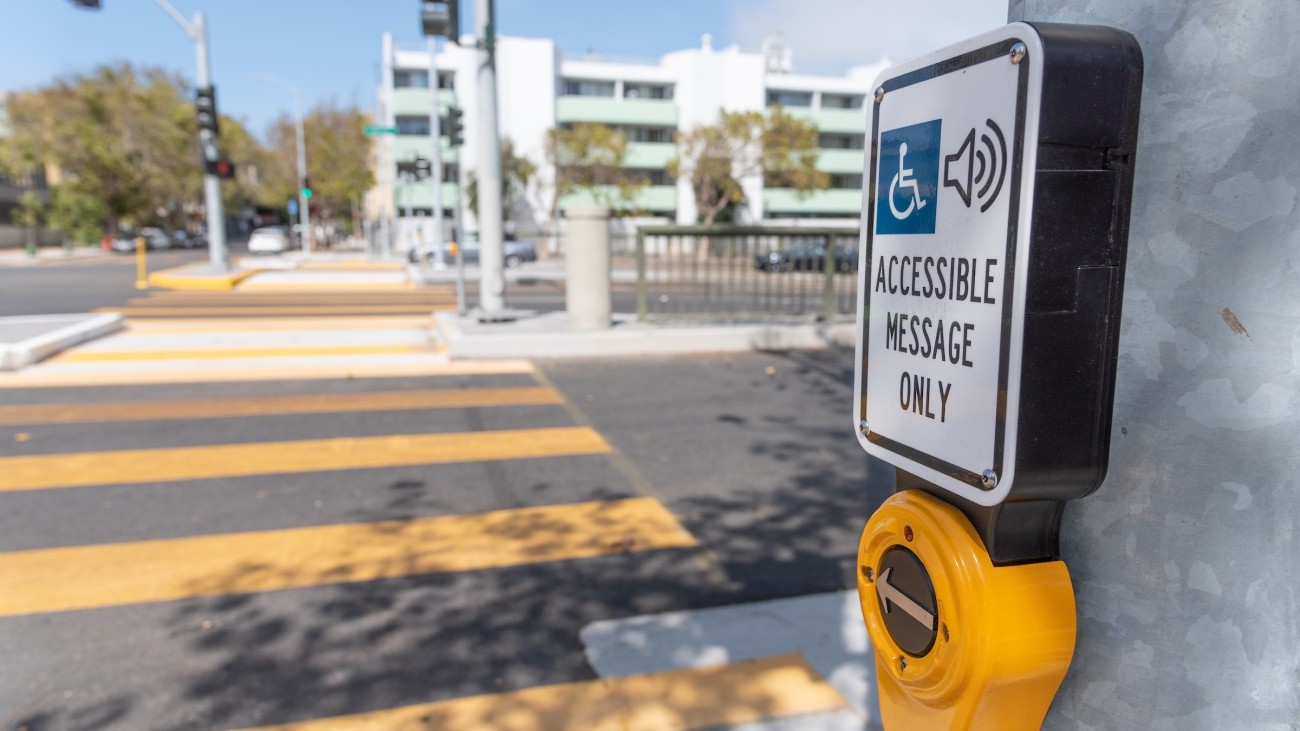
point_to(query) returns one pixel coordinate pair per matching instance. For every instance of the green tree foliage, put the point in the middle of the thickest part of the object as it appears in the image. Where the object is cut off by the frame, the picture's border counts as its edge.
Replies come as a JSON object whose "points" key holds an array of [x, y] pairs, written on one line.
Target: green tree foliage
{"points": [[517, 172], [717, 157], [338, 160], [79, 214], [128, 136], [29, 213], [590, 157]]}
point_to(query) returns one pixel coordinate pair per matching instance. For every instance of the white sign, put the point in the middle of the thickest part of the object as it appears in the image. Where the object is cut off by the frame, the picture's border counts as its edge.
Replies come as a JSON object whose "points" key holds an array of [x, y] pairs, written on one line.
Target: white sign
{"points": [[942, 288]]}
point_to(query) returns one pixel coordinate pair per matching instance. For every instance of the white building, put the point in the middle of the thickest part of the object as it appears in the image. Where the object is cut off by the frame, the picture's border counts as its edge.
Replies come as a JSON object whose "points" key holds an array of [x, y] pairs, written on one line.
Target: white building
{"points": [[538, 89]]}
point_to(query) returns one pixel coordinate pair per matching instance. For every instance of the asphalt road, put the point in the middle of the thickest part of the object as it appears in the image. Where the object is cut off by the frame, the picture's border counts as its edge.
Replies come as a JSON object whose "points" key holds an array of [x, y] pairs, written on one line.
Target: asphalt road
{"points": [[80, 285], [752, 454]]}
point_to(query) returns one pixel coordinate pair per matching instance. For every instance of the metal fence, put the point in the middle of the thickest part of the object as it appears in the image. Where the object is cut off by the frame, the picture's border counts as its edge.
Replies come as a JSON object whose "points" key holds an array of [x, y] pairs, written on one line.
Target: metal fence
{"points": [[737, 273]]}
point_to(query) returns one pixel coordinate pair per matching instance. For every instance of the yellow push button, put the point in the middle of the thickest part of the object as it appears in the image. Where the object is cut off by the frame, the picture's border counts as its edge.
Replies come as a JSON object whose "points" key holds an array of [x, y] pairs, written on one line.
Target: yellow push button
{"points": [[959, 643]]}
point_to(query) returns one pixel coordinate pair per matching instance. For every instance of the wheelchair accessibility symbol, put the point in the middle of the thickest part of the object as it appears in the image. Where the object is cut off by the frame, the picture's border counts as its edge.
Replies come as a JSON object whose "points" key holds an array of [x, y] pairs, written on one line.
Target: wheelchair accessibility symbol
{"points": [[908, 179]]}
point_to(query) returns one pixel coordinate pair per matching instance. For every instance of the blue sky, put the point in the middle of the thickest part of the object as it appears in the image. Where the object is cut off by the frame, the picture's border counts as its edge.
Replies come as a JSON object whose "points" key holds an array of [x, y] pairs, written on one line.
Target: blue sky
{"points": [[330, 48]]}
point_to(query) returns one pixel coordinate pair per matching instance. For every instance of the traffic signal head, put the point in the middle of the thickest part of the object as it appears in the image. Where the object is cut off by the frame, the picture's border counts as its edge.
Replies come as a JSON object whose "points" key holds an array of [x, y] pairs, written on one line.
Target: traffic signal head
{"points": [[456, 126], [441, 19], [306, 188], [88, 4], [221, 167], [205, 108], [423, 168]]}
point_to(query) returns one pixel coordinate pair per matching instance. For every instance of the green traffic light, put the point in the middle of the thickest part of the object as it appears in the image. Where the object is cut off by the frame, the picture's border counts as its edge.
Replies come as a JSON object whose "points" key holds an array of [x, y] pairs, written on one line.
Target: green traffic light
{"points": [[306, 192]]}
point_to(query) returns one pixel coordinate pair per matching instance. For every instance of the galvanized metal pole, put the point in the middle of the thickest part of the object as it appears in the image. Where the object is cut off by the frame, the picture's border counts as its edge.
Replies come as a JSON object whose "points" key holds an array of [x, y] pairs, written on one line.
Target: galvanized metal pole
{"points": [[491, 259], [208, 140], [304, 205], [435, 134]]}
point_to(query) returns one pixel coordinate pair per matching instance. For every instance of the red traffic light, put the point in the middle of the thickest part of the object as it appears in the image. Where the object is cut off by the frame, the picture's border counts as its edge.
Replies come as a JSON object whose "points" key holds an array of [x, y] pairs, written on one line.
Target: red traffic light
{"points": [[223, 169]]}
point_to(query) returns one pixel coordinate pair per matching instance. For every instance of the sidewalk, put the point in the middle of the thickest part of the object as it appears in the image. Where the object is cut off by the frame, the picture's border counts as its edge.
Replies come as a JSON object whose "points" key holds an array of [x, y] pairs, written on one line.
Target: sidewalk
{"points": [[49, 255]]}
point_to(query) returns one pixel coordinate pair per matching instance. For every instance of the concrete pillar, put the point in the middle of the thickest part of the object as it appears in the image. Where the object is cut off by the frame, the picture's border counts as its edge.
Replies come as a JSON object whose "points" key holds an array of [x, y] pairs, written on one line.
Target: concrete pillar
{"points": [[587, 293], [1185, 562]]}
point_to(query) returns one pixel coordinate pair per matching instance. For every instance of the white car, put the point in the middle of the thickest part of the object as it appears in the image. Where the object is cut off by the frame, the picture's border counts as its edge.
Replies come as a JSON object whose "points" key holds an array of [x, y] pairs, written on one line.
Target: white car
{"points": [[270, 240]]}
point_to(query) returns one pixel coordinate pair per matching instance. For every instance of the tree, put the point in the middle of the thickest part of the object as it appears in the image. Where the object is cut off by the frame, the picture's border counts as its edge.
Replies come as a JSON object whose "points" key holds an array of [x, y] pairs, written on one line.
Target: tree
{"points": [[716, 158], [30, 213], [338, 159], [517, 174], [127, 137], [590, 157]]}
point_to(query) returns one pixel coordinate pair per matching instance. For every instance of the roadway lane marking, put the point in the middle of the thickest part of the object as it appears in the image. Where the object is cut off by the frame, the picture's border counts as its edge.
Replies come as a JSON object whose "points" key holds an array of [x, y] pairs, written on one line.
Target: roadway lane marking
{"points": [[308, 324], [414, 308], [325, 403], [50, 377], [722, 695], [86, 577], [100, 356], [121, 467]]}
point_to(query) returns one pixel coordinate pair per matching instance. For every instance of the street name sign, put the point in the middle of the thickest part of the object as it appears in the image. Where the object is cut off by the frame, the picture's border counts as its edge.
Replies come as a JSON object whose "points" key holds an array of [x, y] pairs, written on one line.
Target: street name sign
{"points": [[995, 229], [374, 130]]}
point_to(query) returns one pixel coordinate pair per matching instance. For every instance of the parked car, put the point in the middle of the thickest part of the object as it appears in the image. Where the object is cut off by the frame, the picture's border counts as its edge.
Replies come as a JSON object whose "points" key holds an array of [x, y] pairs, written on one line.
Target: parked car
{"points": [[154, 238], [270, 240], [514, 252], [806, 257], [187, 240]]}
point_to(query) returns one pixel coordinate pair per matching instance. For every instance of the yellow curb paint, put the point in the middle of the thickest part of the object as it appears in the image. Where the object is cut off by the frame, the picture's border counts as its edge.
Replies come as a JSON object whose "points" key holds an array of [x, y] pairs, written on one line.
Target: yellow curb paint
{"points": [[419, 367], [178, 279], [84, 577], [332, 403], [411, 309], [83, 469], [108, 356], [694, 698]]}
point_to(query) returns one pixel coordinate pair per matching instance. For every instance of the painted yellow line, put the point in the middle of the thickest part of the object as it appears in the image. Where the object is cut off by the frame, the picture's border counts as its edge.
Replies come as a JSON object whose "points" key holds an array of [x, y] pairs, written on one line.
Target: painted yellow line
{"points": [[106, 356], [286, 301], [332, 403], [81, 469], [297, 324], [766, 688], [253, 285], [415, 308], [83, 577], [415, 367], [352, 265]]}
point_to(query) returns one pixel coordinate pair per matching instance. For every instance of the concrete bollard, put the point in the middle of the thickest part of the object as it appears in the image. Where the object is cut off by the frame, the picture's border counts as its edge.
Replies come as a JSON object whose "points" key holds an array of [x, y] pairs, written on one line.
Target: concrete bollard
{"points": [[587, 292]]}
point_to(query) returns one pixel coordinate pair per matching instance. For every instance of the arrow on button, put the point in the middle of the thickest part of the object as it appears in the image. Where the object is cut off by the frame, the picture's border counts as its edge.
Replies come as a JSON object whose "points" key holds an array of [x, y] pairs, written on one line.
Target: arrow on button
{"points": [[890, 594]]}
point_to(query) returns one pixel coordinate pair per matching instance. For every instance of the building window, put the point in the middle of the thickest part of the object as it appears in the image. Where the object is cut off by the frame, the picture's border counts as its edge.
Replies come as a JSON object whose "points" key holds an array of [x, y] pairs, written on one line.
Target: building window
{"points": [[841, 101], [411, 124], [647, 91], [446, 80], [846, 181], [648, 134], [411, 79], [829, 141], [789, 98], [580, 87]]}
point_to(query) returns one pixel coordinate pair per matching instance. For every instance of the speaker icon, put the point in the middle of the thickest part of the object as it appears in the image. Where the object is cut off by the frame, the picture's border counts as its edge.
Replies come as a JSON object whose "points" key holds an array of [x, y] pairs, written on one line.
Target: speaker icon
{"points": [[960, 169]]}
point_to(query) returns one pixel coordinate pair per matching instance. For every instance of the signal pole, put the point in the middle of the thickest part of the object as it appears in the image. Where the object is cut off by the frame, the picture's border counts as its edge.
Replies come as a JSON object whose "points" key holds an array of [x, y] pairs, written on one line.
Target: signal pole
{"points": [[491, 274], [198, 32], [435, 132], [304, 203]]}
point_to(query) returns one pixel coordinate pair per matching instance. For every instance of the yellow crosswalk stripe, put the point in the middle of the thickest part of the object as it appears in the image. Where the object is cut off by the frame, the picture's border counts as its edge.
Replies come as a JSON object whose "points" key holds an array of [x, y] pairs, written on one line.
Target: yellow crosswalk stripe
{"points": [[297, 324], [695, 698], [331, 403], [125, 354], [323, 309], [84, 577], [414, 366], [83, 469]]}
